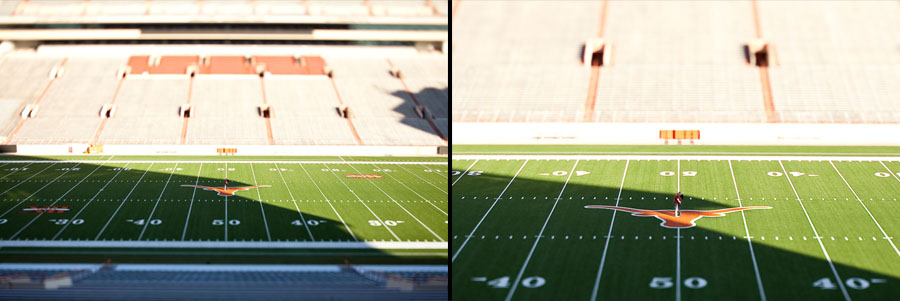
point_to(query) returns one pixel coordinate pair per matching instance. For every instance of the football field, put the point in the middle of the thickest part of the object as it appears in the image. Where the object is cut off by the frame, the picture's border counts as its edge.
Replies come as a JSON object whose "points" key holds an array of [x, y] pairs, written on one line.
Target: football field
{"points": [[586, 227], [181, 205]]}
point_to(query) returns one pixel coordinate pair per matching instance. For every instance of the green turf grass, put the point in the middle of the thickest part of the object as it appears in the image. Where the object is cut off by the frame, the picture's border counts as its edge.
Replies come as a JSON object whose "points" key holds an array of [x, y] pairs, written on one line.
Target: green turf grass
{"points": [[678, 150], [142, 199], [642, 260]]}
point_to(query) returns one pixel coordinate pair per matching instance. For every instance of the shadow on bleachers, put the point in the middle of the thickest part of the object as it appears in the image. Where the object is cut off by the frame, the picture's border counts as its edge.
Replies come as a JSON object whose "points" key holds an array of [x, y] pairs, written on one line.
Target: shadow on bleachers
{"points": [[433, 119]]}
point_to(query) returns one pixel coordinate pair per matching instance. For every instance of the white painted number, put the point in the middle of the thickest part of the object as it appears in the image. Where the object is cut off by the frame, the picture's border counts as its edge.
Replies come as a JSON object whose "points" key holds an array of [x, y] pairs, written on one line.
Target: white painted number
{"points": [[857, 283], [65, 221], [3, 221], [380, 169], [177, 168], [277, 169], [455, 173], [386, 222], [122, 168], [219, 169], [533, 282], [661, 282], [581, 173], [882, 174], [476, 173], [559, 173], [70, 168], [689, 173], [233, 222], [796, 173], [141, 222], [695, 282], [774, 174], [297, 222], [502, 282], [667, 173], [330, 169], [17, 168], [824, 283]]}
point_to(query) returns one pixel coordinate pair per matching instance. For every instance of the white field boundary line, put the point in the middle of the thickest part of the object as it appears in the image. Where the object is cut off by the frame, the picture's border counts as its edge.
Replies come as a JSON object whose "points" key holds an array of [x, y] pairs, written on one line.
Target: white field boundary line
{"points": [[163, 191], [675, 157], [609, 235], [398, 204], [220, 162], [194, 193], [358, 199], [464, 173], [88, 203], [259, 196], [512, 291], [455, 157], [818, 238], [762, 293], [891, 241], [223, 244], [486, 213], [413, 191]]}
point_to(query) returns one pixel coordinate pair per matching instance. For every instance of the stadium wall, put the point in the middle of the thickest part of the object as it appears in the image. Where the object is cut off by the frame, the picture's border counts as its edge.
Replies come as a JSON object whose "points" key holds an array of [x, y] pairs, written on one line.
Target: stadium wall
{"points": [[240, 150], [649, 133]]}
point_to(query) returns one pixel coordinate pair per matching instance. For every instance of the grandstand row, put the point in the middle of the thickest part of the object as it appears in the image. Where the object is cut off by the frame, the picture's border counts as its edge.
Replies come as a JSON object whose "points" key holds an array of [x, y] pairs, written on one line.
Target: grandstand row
{"points": [[660, 61]]}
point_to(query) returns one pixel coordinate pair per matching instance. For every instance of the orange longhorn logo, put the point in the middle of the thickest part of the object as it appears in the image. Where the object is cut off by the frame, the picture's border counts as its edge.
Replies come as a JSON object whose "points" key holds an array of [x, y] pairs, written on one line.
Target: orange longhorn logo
{"points": [[668, 218], [225, 191]]}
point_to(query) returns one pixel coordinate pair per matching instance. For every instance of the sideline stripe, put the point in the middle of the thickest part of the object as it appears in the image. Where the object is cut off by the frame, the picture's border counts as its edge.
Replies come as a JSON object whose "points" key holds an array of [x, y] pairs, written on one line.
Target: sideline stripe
{"points": [[891, 241], [488, 211], [540, 234], [762, 293], [830, 264], [608, 235]]}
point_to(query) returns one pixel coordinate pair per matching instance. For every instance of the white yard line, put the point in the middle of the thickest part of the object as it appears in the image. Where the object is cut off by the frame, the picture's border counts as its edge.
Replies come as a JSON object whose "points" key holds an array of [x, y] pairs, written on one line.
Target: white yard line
{"points": [[417, 176], [194, 193], [57, 200], [890, 171], [14, 171], [33, 193], [123, 202], [88, 203], [413, 191], [149, 218], [200, 161], [221, 244], [674, 157], [818, 238], [401, 206], [464, 173], [762, 293], [465, 154], [678, 241], [891, 241], [260, 201], [298, 208], [486, 213], [363, 203], [540, 234], [608, 236]]}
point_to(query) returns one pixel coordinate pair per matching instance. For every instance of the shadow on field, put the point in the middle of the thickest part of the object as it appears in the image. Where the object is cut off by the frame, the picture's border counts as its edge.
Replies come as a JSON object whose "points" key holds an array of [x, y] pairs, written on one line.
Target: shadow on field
{"points": [[70, 201], [569, 253]]}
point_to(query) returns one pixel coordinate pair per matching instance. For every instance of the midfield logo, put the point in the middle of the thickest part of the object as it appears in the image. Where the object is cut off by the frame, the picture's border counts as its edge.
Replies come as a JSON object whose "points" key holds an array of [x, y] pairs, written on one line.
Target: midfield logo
{"points": [[225, 191], [668, 218]]}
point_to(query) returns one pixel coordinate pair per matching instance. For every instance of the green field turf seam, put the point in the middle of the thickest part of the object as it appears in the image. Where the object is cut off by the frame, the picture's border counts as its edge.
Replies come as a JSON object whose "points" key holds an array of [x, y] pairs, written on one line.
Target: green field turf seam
{"points": [[88, 203], [413, 191], [458, 250], [191, 207], [398, 204], [155, 205], [609, 236], [816, 233], [464, 173], [891, 241], [57, 200], [762, 292], [301, 212], [537, 240], [259, 196], [123, 202], [360, 201]]}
